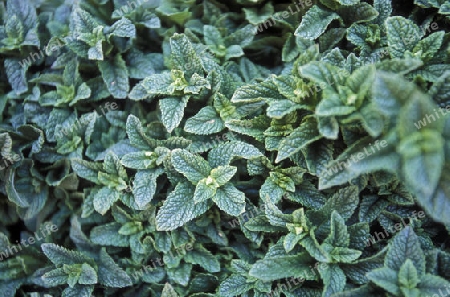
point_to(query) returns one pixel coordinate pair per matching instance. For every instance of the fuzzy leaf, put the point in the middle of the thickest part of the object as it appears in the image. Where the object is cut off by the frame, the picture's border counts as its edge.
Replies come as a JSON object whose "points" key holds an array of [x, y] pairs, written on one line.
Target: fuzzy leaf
{"points": [[193, 167], [205, 122], [301, 137], [172, 111], [315, 22], [115, 76], [179, 208]]}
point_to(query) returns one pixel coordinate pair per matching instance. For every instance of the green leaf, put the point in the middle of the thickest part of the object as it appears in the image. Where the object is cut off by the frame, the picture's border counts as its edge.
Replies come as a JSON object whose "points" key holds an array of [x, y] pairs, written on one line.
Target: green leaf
{"points": [[333, 106], [384, 8], [204, 190], [399, 66], [304, 135], [234, 286], [168, 291], [223, 174], [212, 36], [201, 256], [358, 13], [256, 16], [345, 255], [315, 22], [234, 51], [179, 208], [55, 277], [418, 156], [222, 154], [316, 250], [402, 34], [328, 127], [339, 236], [256, 92], [360, 158], [254, 127], [294, 46], [123, 28], [385, 278], [348, 2], [433, 284], [139, 160], [196, 84], [59, 255], [16, 75], [83, 21], [130, 228], [88, 275], [344, 201], [205, 122], [390, 92], [110, 274], [172, 111], [289, 86], [230, 200], [404, 246], [272, 190], [144, 186], [184, 56], [242, 36], [440, 91], [78, 291], [407, 276], [108, 235], [308, 195], [273, 268], [115, 76], [193, 167], [155, 84], [334, 279], [136, 134], [25, 13], [104, 199], [324, 74], [429, 46], [281, 108], [142, 65], [372, 121]]}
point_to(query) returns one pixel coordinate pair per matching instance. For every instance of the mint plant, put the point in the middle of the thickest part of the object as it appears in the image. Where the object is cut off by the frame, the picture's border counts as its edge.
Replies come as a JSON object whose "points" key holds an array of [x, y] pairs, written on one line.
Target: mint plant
{"points": [[255, 148]]}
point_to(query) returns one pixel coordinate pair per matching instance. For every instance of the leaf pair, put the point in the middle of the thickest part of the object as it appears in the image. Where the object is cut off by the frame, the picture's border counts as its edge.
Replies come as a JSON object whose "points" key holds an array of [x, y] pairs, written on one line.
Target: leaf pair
{"points": [[405, 272], [206, 181], [81, 272]]}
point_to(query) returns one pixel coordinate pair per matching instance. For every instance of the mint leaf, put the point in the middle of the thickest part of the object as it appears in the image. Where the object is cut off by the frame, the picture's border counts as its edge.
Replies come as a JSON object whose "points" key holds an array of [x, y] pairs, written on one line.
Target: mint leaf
{"points": [[172, 111], [315, 22], [179, 208], [115, 76], [193, 167]]}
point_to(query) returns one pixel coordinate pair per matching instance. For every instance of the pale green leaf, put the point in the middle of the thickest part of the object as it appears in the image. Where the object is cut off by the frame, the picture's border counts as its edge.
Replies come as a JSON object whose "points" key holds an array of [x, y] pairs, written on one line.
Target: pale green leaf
{"points": [[230, 200], [205, 122], [273, 268], [179, 208], [115, 76], [192, 166], [225, 152], [385, 278], [304, 135], [104, 199], [172, 111], [403, 35], [144, 186], [315, 22], [184, 56]]}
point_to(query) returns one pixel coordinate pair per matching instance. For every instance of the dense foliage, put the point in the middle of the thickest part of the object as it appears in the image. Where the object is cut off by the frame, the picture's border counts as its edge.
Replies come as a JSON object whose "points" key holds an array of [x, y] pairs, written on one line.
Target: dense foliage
{"points": [[197, 148]]}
